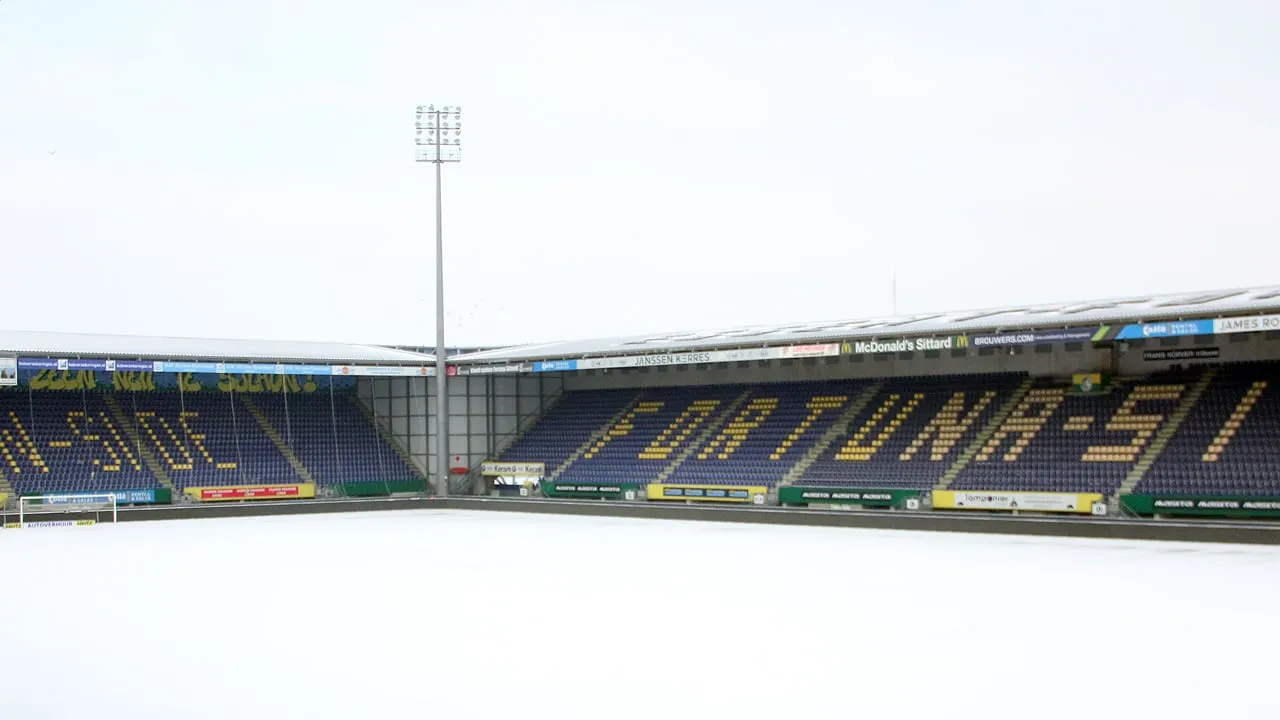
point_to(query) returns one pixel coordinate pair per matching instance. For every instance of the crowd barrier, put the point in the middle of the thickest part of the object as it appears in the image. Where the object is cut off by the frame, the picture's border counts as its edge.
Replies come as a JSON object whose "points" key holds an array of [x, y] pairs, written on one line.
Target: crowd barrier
{"points": [[380, 488]]}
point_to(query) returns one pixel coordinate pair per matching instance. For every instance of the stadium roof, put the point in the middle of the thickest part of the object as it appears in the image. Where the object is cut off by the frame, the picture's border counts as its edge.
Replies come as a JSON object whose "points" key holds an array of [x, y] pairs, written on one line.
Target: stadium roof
{"points": [[1132, 309], [72, 345]]}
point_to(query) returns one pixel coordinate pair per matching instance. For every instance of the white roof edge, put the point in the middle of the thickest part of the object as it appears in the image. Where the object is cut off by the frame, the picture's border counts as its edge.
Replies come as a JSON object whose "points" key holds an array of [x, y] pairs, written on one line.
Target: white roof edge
{"points": [[1120, 310], [188, 348]]}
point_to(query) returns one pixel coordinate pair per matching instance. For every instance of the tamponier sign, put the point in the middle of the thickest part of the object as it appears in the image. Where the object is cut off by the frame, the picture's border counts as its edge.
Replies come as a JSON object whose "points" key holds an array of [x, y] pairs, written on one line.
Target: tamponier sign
{"points": [[513, 469], [252, 492], [1082, 503]]}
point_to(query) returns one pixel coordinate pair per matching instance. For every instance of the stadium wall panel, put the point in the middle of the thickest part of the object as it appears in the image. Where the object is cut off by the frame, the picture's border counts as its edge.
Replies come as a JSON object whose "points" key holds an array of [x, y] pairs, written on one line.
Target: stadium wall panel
{"points": [[1135, 360], [1059, 363], [485, 412]]}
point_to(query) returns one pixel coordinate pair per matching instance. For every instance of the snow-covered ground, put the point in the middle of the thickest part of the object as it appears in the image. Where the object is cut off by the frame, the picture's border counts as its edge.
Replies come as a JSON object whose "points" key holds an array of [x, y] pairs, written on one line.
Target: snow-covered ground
{"points": [[453, 615]]}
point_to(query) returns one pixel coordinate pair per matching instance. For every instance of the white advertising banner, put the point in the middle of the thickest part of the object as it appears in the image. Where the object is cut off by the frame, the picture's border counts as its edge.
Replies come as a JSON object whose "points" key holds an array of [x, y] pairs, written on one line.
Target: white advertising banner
{"points": [[1029, 501], [382, 371], [1258, 323], [710, 356], [513, 469], [8, 371]]}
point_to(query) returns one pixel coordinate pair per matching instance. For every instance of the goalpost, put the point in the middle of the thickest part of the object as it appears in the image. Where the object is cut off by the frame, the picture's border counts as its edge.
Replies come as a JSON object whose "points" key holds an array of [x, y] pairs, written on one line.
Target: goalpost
{"points": [[100, 505]]}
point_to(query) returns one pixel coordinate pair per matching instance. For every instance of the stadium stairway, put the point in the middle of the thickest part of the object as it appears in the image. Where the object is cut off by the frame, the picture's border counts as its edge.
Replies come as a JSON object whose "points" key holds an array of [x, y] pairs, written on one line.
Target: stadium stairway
{"points": [[595, 437], [130, 429], [997, 421], [839, 428], [1165, 434], [276, 439], [384, 435], [5, 488], [704, 435]]}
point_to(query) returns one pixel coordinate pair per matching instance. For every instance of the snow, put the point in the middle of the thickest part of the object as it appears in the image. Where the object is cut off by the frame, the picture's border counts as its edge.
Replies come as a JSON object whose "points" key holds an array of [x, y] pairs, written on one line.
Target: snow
{"points": [[452, 614]]}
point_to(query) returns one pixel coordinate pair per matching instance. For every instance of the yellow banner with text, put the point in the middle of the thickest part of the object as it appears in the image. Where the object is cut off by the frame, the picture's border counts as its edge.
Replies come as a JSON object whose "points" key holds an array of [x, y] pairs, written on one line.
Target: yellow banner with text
{"points": [[709, 493]]}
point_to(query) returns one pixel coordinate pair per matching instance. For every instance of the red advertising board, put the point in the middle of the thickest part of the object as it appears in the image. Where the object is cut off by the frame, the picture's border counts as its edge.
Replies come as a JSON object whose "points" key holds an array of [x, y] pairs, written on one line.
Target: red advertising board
{"points": [[250, 492]]}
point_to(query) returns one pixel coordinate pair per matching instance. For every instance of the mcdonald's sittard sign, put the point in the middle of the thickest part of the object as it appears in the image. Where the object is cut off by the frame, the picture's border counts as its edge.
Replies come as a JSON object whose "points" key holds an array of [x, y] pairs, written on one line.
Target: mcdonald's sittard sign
{"points": [[879, 347]]}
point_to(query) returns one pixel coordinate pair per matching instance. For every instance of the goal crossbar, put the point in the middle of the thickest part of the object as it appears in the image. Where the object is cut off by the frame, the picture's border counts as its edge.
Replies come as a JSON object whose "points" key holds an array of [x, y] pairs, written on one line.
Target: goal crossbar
{"points": [[65, 503]]}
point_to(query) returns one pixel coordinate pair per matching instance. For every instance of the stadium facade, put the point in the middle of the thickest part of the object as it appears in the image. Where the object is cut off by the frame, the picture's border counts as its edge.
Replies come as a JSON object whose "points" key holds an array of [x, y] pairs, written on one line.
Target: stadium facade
{"points": [[1073, 403]]}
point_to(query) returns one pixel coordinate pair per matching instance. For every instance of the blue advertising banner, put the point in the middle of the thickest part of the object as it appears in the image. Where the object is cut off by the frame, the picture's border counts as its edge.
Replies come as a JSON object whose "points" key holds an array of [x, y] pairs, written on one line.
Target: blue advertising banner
{"points": [[1166, 329], [123, 497], [555, 365], [207, 368]]}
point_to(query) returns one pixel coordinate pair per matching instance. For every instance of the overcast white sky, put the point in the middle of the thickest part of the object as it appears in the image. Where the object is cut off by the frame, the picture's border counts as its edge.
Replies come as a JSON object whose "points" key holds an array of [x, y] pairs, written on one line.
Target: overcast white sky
{"points": [[244, 168]]}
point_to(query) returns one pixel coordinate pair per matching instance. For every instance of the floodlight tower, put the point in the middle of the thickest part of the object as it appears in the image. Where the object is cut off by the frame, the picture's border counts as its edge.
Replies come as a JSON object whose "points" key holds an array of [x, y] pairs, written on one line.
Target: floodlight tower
{"points": [[439, 141]]}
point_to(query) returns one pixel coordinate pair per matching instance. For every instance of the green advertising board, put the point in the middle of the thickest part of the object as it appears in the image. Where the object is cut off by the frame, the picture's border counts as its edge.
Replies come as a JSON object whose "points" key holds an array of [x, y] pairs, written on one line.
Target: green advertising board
{"points": [[866, 497], [601, 491], [1202, 505]]}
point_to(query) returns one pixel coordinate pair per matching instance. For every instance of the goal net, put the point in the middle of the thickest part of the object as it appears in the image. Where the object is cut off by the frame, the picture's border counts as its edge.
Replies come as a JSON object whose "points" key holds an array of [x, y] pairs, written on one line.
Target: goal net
{"points": [[66, 510]]}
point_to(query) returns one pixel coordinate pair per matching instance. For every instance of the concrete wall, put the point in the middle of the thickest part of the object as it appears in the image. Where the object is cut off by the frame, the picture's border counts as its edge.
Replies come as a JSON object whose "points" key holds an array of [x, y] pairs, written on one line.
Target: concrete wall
{"points": [[485, 413]]}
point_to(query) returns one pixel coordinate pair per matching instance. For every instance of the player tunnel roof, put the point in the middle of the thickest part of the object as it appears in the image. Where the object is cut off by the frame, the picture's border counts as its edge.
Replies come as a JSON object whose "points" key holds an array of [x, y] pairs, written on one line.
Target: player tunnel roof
{"points": [[1131, 309]]}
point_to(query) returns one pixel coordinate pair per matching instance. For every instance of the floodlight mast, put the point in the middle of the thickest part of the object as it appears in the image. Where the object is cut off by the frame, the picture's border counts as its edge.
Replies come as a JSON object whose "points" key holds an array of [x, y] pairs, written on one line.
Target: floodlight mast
{"points": [[439, 141]]}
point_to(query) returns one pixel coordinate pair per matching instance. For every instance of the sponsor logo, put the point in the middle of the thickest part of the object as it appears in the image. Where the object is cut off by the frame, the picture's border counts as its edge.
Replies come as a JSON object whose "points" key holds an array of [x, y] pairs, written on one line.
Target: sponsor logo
{"points": [[555, 365], [1166, 329], [1035, 337], [1188, 354], [673, 359], [513, 469], [589, 488], [1214, 504], [490, 369], [1262, 323], [879, 347]]}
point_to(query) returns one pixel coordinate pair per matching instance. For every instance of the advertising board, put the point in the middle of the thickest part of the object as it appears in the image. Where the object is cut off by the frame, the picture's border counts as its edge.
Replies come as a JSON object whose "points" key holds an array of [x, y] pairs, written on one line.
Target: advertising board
{"points": [[1080, 503], [513, 469], [297, 491], [709, 493]]}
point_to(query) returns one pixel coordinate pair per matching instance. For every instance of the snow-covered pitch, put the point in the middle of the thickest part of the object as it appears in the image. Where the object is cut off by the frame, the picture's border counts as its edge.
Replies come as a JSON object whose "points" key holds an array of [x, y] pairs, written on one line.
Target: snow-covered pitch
{"points": [[455, 615]]}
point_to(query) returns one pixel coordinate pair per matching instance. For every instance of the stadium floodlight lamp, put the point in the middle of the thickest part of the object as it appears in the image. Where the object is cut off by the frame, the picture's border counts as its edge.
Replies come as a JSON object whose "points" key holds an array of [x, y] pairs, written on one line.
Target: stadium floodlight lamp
{"points": [[438, 141], [439, 134]]}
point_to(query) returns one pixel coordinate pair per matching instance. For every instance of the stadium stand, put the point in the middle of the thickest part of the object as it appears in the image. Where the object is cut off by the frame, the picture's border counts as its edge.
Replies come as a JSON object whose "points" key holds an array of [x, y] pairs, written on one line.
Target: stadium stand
{"points": [[53, 441], [332, 438], [649, 437], [771, 432], [911, 432], [1228, 442], [66, 442], [979, 432], [1055, 441]]}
